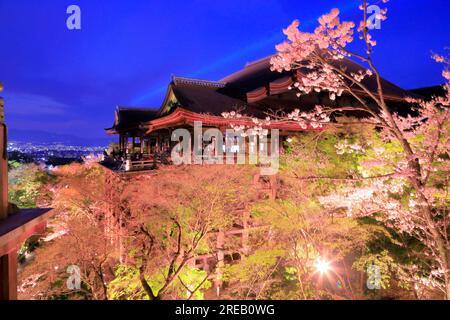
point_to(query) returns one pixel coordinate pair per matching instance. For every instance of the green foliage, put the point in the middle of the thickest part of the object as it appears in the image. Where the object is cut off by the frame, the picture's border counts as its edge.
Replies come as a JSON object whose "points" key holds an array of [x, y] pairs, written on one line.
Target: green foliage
{"points": [[316, 167], [254, 275], [28, 246], [13, 164], [316, 156], [127, 284], [311, 228], [387, 266], [192, 277], [258, 265], [284, 214], [25, 183]]}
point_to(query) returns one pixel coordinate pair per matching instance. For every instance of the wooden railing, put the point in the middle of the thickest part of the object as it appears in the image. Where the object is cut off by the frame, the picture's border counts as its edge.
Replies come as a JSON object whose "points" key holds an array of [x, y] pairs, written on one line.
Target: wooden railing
{"points": [[134, 165], [142, 164]]}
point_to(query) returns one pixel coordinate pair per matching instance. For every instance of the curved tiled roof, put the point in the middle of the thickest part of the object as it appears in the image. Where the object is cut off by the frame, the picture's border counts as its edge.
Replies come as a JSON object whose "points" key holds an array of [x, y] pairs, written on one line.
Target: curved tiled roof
{"points": [[255, 88], [197, 82], [429, 92], [130, 118], [258, 74], [202, 99]]}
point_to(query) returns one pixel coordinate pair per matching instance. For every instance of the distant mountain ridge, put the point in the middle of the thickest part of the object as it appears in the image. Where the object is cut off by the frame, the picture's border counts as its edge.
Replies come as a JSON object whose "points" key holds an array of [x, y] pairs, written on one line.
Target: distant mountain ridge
{"points": [[35, 136]]}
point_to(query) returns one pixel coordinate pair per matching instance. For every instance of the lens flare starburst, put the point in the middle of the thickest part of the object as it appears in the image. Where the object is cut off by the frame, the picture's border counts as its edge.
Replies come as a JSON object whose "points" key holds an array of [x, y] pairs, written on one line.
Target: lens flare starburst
{"points": [[322, 265]]}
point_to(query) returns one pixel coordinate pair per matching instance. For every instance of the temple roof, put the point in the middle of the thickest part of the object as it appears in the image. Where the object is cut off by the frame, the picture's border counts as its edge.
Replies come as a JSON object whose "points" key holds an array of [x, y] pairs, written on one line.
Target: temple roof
{"points": [[129, 118], [256, 77], [212, 99], [429, 92], [197, 82], [253, 91], [181, 116], [204, 99]]}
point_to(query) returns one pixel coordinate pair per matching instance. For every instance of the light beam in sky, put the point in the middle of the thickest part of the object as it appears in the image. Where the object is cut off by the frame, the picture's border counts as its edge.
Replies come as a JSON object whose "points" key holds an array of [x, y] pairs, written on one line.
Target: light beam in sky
{"points": [[256, 46]]}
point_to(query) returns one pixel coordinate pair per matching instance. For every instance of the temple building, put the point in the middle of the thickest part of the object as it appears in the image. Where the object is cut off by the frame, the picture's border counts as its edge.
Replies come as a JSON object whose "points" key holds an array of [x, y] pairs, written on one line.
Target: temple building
{"points": [[145, 136], [254, 91]]}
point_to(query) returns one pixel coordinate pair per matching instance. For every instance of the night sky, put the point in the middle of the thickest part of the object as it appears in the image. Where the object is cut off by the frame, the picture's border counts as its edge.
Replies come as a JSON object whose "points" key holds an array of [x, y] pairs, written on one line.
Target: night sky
{"points": [[70, 81]]}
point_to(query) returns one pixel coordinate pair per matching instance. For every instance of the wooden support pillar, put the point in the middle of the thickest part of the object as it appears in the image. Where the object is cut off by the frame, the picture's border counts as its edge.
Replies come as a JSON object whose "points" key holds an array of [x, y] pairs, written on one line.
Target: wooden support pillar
{"points": [[141, 140], [8, 262], [17, 227], [273, 187], [127, 145], [3, 173], [245, 233], [8, 276], [3, 162], [220, 261], [121, 148], [122, 239]]}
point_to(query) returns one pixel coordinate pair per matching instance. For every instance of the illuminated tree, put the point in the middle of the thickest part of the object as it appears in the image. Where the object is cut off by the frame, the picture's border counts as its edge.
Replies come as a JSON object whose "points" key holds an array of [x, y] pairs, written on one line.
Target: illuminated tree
{"points": [[408, 188], [176, 219]]}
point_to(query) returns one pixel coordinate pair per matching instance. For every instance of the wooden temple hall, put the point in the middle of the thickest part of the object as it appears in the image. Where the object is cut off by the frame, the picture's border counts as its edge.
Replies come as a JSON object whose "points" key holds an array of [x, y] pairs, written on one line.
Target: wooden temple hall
{"points": [[144, 134]]}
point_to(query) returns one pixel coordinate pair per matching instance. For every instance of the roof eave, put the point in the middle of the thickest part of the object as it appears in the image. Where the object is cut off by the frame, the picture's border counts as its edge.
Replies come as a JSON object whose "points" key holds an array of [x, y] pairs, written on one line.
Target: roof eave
{"points": [[184, 116]]}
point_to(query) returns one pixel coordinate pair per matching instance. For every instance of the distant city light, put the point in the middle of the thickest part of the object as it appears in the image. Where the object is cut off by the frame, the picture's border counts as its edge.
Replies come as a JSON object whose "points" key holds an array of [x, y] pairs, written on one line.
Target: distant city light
{"points": [[46, 153]]}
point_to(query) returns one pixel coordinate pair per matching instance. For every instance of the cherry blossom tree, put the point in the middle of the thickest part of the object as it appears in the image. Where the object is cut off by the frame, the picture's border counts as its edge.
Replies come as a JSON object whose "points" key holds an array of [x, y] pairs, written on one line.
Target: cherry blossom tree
{"points": [[410, 193], [422, 169]]}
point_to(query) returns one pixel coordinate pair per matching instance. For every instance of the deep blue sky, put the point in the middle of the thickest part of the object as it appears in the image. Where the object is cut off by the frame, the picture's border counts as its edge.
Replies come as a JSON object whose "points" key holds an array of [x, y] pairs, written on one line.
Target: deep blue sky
{"points": [[69, 82]]}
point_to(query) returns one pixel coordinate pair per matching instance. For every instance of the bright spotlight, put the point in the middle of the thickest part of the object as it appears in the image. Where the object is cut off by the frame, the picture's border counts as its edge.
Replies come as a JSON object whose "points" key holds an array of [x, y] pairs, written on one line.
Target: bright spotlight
{"points": [[322, 265]]}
